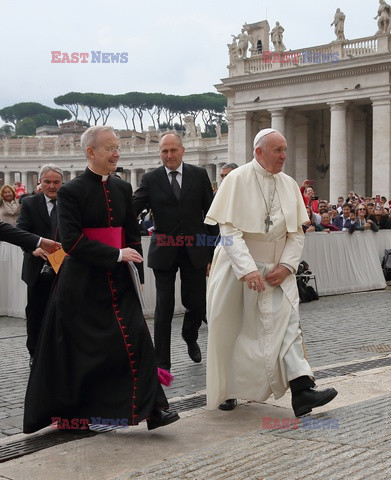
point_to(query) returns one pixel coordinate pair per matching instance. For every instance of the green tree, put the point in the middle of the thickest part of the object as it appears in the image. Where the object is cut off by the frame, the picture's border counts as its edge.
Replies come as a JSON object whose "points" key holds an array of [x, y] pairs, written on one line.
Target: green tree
{"points": [[26, 126]]}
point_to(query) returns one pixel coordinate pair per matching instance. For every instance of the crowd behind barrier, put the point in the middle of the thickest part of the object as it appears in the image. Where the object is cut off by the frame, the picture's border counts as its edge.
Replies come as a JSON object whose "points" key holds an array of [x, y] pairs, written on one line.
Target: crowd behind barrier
{"points": [[342, 263]]}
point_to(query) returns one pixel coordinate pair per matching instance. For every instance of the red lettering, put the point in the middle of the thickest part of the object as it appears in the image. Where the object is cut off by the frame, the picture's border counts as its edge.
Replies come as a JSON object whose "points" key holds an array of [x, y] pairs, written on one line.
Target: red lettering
{"points": [[74, 423], [56, 422], [160, 240], [84, 422], [295, 423], [74, 57], [267, 57], [170, 241], [266, 423], [65, 58], [276, 58], [180, 240], [286, 423], [84, 57], [189, 239], [55, 56], [65, 424], [276, 423]]}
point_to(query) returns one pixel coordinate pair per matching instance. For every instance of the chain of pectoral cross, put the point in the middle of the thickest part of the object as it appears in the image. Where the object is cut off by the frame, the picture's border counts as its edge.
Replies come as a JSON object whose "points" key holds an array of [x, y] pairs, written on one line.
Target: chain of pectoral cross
{"points": [[268, 220]]}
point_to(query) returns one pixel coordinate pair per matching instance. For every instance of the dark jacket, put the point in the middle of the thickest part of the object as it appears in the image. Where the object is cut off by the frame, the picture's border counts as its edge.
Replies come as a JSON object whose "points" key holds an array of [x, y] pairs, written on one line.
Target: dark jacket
{"points": [[17, 236], [177, 219], [34, 218]]}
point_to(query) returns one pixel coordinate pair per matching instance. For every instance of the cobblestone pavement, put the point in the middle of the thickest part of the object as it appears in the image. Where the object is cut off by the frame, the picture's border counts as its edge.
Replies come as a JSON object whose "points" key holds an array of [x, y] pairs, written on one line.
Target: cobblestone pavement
{"points": [[331, 449], [337, 330]]}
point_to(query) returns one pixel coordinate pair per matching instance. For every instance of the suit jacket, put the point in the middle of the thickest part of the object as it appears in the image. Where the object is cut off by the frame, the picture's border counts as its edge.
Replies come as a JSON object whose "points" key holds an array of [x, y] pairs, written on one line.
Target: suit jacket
{"points": [[11, 234], [175, 219], [34, 218], [338, 222]]}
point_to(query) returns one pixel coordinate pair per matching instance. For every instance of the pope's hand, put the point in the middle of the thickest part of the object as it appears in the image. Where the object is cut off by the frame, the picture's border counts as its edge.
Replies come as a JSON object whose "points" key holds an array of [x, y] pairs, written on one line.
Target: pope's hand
{"points": [[277, 276], [131, 255], [254, 281]]}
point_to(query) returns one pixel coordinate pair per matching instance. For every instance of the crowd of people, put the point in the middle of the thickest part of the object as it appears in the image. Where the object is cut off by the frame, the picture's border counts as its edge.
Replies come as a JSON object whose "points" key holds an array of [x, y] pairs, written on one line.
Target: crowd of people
{"points": [[351, 213], [85, 324]]}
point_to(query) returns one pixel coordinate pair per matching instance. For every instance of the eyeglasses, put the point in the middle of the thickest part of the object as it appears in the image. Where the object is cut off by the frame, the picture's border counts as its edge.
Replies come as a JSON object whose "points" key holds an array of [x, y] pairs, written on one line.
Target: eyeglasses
{"points": [[111, 149], [361, 209]]}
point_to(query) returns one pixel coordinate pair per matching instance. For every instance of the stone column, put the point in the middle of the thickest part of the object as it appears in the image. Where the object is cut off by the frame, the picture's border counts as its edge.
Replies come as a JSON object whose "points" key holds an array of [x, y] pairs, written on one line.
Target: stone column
{"points": [[72, 174], [381, 156], [301, 133], [242, 147], [133, 178], [7, 178], [209, 169], [278, 119], [231, 137], [290, 163], [338, 152], [25, 179], [359, 152]]}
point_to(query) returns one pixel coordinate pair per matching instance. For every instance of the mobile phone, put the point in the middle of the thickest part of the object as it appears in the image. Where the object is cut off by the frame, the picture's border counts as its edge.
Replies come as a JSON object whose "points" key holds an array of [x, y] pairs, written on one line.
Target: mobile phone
{"points": [[334, 207], [315, 198], [377, 199], [310, 182]]}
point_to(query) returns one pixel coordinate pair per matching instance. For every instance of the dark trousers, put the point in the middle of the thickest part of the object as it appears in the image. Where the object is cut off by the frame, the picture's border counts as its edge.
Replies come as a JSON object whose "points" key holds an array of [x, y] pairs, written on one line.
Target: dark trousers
{"points": [[193, 294], [37, 299]]}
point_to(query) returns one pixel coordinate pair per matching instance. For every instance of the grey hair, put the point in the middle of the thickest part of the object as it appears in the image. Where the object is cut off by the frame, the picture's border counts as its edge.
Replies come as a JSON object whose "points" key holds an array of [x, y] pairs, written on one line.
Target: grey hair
{"points": [[229, 165], [261, 143], [47, 168], [88, 139]]}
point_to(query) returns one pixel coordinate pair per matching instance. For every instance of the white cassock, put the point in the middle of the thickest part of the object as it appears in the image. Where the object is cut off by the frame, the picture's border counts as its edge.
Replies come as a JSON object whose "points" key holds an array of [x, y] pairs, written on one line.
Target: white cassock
{"points": [[255, 345]]}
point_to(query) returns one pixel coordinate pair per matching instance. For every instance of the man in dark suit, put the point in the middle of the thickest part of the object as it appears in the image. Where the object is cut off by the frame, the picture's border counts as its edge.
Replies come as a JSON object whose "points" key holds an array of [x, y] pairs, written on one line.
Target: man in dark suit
{"points": [[343, 221], [179, 196], [26, 240], [38, 215]]}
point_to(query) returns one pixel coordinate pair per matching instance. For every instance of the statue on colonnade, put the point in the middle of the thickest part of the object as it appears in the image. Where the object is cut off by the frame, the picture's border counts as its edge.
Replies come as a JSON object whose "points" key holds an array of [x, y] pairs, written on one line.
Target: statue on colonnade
{"points": [[339, 21], [383, 17], [277, 38]]}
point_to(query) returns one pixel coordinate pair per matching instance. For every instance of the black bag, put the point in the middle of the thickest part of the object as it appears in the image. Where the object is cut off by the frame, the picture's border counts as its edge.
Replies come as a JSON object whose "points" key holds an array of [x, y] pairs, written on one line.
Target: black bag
{"points": [[306, 292], [386, 265]]}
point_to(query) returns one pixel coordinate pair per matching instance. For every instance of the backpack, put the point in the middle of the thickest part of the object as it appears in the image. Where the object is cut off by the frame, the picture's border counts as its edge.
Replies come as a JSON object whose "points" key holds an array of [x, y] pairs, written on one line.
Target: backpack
{"points": [[386, 265], [306, 292]]}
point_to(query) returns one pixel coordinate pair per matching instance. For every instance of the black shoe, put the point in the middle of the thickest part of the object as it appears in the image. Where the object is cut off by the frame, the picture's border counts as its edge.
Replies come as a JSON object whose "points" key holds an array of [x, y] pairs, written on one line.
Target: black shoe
{"points": [[194, 352], [229, 404], [161, 418], [310, 398]]}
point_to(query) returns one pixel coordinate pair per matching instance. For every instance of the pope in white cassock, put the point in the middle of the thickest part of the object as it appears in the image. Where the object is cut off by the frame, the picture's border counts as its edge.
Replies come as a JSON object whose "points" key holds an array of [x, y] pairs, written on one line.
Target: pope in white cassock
{"points": [[255, 345]]}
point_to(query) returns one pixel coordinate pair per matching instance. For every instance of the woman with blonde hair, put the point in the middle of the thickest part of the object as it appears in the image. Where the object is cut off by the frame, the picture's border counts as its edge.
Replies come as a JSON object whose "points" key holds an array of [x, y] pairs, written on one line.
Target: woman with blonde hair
{"points": [[9, 206]]}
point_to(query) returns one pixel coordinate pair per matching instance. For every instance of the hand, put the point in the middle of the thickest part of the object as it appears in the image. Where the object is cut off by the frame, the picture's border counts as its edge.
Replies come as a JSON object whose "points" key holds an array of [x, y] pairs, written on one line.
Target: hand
{"points": [[40, 252], [254, 281], [311, 229], [50, 245], [131, 255], [277, 276], [208, 269]]}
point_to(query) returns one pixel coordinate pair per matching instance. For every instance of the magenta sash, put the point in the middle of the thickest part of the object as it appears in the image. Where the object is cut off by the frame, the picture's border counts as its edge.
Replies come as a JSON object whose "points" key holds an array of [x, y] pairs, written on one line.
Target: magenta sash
{"points": [[112, 236]]}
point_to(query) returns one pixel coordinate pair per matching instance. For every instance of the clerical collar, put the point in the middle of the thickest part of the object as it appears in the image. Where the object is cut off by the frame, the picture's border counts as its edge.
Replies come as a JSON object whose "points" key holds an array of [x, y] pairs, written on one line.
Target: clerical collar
{"points": [[261, 170], [104, 177]]}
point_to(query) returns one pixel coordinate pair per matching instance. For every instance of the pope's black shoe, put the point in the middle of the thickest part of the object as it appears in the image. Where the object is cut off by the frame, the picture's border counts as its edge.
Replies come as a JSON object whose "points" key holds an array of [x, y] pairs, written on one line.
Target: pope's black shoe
{"points": [[194, 352], [161, 418], [306, 400], [229, 404]]}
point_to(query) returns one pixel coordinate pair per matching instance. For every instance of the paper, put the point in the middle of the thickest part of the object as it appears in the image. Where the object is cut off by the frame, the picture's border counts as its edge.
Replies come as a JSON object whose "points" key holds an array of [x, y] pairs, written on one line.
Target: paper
{"points": [[136, 282], [56, 259]]}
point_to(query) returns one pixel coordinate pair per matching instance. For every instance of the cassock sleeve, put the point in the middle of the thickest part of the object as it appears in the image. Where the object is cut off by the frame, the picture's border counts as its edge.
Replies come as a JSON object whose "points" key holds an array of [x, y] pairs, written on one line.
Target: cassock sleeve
{"points": [[235, 247]]}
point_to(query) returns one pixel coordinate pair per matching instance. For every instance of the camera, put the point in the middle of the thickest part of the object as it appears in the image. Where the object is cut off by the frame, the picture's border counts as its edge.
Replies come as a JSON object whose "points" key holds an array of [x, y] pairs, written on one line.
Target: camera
{"points": [[47, 270], [119, 169]]}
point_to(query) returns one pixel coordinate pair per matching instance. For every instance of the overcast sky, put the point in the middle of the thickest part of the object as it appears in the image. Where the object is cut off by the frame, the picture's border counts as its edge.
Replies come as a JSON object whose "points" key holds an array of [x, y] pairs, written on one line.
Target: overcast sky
{"points": [[174, 46]]}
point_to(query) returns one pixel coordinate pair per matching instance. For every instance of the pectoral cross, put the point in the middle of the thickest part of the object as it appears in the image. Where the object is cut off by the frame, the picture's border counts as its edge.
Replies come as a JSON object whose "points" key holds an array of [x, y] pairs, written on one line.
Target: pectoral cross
{"points": [[268, 222]]}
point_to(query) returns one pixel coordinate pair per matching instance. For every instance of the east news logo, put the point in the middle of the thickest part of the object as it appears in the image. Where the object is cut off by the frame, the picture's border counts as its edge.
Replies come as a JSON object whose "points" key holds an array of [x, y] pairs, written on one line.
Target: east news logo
{"points": [[89, 57]]}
